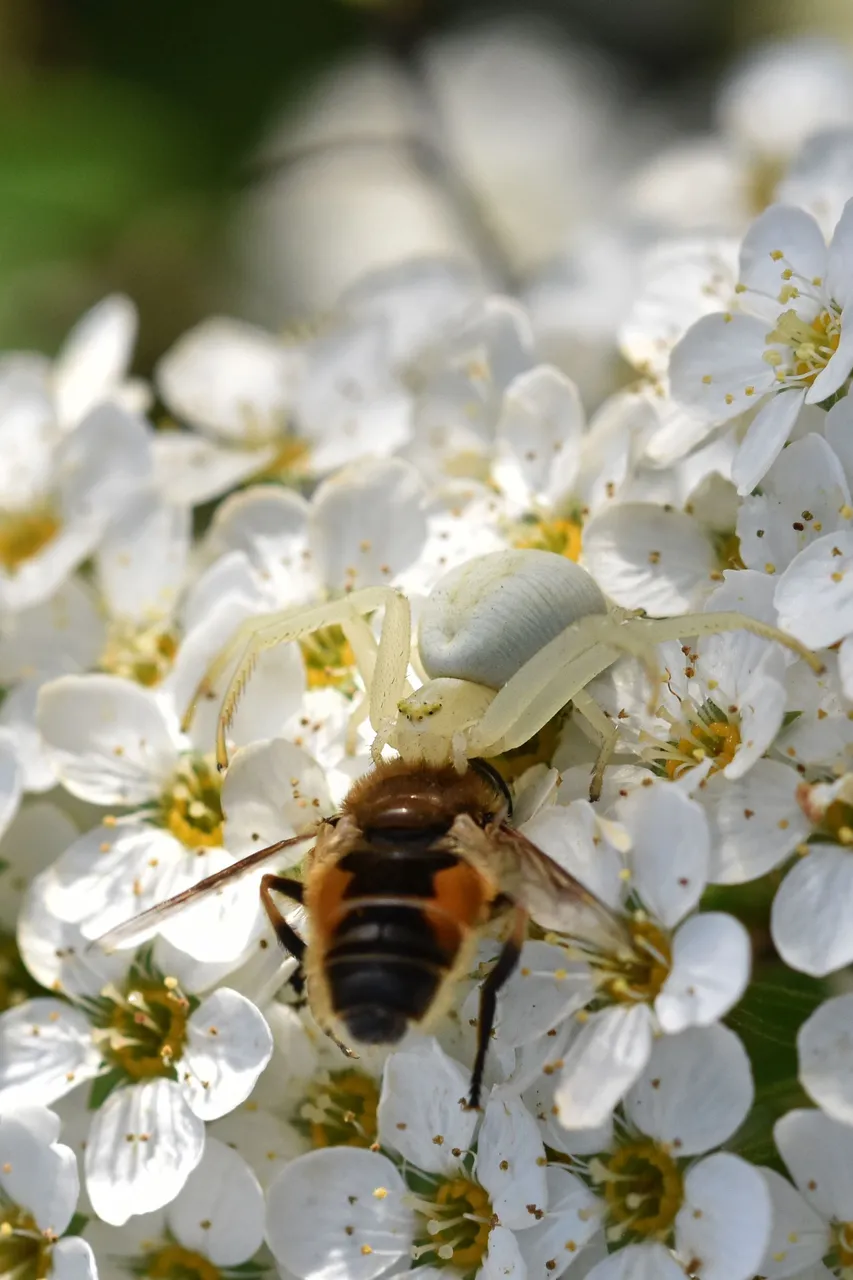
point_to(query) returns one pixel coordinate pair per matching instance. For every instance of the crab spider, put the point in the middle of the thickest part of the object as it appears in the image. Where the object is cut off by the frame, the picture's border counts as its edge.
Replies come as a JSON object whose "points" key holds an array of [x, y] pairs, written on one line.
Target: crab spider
{"points": [[507, 640]]}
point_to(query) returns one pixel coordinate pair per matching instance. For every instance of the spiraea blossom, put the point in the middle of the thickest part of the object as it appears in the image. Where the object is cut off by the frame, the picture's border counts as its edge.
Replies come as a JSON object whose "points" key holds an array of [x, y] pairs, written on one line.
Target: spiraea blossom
{"points": [[643, 373]]}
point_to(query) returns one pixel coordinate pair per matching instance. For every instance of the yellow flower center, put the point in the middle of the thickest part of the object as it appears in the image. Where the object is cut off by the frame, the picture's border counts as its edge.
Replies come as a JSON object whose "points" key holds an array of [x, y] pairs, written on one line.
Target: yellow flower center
{"points": [[329, 660], [563, 536], [703, 732], [837, 822], [192, 806], [639, 975], [290, 461], [764, 177], [539, 749], [23, 534], [144, 655], [643, 1190], [843, 1242], [459, 1218], [728, 551], [174, 1262], [145, 1029], [339, 1110], [24, 1249], [812, 344]]}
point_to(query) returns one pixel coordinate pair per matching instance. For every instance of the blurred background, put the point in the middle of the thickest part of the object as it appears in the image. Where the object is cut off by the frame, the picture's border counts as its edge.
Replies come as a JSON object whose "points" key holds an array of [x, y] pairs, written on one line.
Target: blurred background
{"points": [[254, 158]]}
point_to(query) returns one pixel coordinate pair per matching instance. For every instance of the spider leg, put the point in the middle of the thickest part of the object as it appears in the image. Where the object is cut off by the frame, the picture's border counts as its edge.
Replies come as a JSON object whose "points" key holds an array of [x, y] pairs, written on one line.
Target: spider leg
{"points": [[657, 630], [606, 732]]}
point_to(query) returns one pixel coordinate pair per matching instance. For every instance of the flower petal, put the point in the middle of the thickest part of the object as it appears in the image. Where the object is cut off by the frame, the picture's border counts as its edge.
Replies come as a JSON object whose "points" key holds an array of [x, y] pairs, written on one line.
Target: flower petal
{"points": [[94, 357], [814, 596], [73, 1259], [755, 821], [220, 1211], [799, 1237], [638, 1262], [143, 560], [650, 557], [670, 849], [46, 1050], [765, 439], [422, 1112], [228, 1046], [339, 1214], [539, 435], [143, 1145], [711, 955], [40, 1176], [572, 1218], [724, 1224], [716, 360], [695, 1091], [511, 1161], [503, 1260], [272, 789], [825, 1048], [819, 1154], [810, 919], [602, 1063], [109, 739]]}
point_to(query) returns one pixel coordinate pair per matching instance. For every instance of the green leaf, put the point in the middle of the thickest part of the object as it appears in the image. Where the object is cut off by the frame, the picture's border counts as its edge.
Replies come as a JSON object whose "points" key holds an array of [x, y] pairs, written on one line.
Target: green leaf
{"points": [[104, 1085], [77, 1225]]}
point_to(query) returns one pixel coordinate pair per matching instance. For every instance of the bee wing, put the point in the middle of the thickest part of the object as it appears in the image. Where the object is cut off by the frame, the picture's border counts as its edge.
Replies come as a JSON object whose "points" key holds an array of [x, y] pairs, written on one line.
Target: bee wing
{"points": [[140, 927], [552, 896]]}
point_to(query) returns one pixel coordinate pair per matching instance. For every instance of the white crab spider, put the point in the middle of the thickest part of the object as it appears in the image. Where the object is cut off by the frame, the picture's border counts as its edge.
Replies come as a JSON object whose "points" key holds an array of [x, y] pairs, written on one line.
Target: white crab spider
{"points": [[506, 640]]}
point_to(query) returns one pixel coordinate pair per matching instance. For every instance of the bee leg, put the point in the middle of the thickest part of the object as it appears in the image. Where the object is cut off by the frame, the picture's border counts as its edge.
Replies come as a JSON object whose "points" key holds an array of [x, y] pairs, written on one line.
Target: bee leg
{"points": [[500, 972], [288, 937]]}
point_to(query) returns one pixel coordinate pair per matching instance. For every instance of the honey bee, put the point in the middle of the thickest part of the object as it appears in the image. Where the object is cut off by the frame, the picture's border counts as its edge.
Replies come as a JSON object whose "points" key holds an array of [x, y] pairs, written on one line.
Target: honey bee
{"points": [[397, 890]]}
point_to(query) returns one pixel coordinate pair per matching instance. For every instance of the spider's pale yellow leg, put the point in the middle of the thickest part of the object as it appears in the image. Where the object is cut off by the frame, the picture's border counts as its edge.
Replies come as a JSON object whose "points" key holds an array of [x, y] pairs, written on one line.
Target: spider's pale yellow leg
{"points": [[256, 635], [606, 732], [389, 686], [552, 678], [657, 630]]}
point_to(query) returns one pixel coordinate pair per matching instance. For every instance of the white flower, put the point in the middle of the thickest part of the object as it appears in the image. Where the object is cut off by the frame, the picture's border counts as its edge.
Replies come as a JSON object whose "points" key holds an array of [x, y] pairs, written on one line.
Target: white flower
{"points": [[675, 970], [816, 1220], [789, 346], [214, 1224], [39, 1188], [162, 1063], [671, 1211], [61, 496], [113, 744]]}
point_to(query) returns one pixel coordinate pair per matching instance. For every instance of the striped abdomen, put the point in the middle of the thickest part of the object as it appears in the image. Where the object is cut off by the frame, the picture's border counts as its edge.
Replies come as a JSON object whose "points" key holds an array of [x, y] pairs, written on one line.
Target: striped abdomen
{"points": [[394, 913]]}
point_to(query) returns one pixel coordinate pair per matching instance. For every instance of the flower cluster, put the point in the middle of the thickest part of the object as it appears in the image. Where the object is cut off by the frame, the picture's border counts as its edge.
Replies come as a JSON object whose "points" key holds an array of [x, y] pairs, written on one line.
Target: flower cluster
{"points": [[674, 1100]]}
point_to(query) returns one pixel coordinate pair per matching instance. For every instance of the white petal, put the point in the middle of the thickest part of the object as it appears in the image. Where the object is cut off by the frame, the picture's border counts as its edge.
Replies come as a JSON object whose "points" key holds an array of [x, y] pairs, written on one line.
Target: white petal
{"points": [[511, 1160], [825, 1047], [819, 1154], [109, 739], [272, 789], [100, 465], [765, 438], [711, 956], [503, 1260], [228, 1046], [539, 435], [94, 357], [837, 369], [543, 990], [66, 633], [571, 1220], [18, 716], [338, 1214], [603, 1062], [220, 1211], [56, 953], [781, 238], [814, 596], [810, 919], [143, 1145], [11, 781], [725, 1220], [230, 379], [422, 1108], [714, 363], [264, 1141], [40, 1176], [46, 1049], [142, 562], [650, 557], [799, 1237], [670, 850], [73, 1259], [840, 259], [755, 821], [638, 1262], [367, 523], [695, 1091], [270, 525], [190, 470]]}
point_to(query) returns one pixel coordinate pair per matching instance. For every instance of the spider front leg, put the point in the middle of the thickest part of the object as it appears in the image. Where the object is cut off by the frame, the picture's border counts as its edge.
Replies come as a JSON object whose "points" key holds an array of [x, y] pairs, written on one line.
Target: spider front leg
{"points": [[657, 630], [385, 681]]}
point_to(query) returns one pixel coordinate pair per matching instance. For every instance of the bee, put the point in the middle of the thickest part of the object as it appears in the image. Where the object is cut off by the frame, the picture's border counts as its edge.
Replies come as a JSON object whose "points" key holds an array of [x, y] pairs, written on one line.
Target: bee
{"points": [[397, 890]]}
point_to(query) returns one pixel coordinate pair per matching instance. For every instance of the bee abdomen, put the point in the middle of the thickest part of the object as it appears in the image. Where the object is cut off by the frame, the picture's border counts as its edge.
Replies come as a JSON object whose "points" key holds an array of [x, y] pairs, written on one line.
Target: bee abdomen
{"points": [[384, 967]]}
